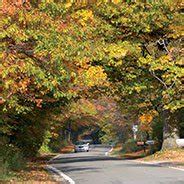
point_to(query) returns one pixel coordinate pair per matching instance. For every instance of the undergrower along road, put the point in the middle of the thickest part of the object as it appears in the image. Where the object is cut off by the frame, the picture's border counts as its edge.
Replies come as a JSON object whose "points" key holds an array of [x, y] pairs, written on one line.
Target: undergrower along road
{"points": [[95, 167]]}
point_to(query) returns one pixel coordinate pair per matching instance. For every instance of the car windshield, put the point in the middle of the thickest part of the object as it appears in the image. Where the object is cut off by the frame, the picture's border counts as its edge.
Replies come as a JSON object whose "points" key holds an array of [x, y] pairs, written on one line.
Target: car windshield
{"points": [[80, 142]]}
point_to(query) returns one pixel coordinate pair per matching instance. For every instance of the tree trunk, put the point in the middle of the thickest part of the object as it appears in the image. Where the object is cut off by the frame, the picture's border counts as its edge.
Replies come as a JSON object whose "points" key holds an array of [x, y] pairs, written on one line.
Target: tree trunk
{"points": [[170, 132], [69, 131]]}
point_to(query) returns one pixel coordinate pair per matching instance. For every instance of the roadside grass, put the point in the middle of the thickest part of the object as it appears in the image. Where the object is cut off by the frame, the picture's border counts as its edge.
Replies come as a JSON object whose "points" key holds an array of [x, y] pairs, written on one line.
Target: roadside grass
{"points": [[119, 152], [33, 173], [175, 155], [134, 155]]}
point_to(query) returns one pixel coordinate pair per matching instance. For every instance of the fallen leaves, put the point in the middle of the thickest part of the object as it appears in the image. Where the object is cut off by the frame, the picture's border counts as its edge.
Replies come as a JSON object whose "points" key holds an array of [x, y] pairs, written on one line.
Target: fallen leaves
{"points": [[34, 173]]}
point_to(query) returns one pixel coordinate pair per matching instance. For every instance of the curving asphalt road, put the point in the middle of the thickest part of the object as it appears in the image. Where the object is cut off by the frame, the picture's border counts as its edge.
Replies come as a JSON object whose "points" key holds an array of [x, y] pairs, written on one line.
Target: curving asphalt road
{"points": [[95, 168]]}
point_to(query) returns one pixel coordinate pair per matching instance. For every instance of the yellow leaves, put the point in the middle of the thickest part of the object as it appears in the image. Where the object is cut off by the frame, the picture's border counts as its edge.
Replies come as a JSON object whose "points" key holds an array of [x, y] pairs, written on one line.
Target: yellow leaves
{"points": [[54, 83], [178, 31], [82, 62], [145, 122], [83, 16], [95, 76], [68, 5], [118, 63], [165, 59], [144, 104], [138, 89], [82, 107], [180, 61], [145, 61], [116, 1], [117, 51], [55, 135]]}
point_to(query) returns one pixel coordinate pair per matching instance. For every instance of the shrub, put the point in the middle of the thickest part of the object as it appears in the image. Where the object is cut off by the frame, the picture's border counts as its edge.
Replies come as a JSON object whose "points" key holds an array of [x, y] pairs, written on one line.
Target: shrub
{"points": [[55, 145], [11, 159], [45, 145], [130, 146]]}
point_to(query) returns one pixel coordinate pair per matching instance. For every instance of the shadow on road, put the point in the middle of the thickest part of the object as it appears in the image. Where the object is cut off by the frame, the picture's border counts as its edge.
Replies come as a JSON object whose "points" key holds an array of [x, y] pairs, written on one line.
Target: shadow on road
{"points": [[78, 169], [83, 159]]}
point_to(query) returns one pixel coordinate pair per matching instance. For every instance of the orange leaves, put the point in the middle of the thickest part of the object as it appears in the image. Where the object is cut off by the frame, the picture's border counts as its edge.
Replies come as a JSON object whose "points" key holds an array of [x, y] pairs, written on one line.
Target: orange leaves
{"points": [[23, 84], [39, 102], [11, 6], [146, 120], [62, 26], [1, 101]]}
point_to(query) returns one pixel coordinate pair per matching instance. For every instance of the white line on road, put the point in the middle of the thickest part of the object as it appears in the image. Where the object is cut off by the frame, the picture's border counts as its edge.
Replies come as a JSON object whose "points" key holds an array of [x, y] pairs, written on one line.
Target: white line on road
{"points": [[180, 169], [58, 172], [157, 163], [107, 153], [61, 174]]}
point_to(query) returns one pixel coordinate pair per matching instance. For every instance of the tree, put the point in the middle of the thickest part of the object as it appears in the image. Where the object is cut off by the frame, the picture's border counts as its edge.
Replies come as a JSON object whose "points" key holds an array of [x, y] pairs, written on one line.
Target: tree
{"points": [[56, 52], [144, 59], [44, 63]]}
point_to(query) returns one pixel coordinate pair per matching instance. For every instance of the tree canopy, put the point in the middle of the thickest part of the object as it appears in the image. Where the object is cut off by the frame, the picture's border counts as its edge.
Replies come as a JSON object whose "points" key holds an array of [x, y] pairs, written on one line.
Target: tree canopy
{"points": [[53, 53]]}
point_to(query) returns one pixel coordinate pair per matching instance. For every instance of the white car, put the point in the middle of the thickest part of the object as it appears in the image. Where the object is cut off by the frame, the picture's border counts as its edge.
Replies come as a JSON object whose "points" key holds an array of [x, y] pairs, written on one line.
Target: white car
{"points": [[81, 146]]}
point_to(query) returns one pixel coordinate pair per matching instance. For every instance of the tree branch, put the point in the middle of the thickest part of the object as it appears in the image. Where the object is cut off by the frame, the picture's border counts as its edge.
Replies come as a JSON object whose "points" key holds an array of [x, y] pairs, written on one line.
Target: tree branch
{"points": [[160, 80]]}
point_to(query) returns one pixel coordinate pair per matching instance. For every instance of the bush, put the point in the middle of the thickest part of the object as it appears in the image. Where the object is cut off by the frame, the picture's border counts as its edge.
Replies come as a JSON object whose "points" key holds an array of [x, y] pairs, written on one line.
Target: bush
{"points": [[55, 145], [130, 146], [11, 159], [45, 145]]}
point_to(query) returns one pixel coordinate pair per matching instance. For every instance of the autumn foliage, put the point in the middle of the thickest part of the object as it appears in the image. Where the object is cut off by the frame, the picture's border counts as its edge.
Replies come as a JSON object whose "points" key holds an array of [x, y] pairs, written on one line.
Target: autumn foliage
{"points": [[53, 54]]}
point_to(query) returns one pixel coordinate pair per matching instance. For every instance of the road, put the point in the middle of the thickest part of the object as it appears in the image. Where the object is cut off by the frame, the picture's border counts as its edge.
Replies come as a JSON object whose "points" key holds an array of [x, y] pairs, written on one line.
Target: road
{"points": [[95, 168]]}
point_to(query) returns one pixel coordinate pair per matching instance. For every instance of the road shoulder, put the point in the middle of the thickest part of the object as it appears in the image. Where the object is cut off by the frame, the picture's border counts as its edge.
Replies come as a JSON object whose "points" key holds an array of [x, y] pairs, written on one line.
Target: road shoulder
{"points": [[171, 158], [58, 175]]}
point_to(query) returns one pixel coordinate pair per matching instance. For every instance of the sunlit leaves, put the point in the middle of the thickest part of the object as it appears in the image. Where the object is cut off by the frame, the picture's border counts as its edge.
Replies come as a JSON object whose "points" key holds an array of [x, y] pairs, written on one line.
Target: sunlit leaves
{"points": [[57, 50], [95, 76]]}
